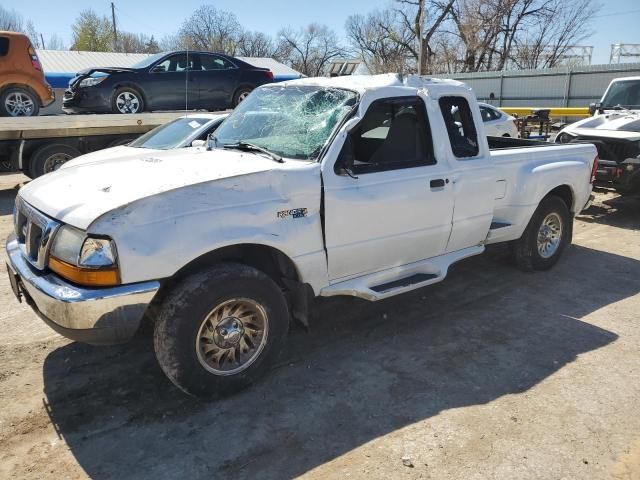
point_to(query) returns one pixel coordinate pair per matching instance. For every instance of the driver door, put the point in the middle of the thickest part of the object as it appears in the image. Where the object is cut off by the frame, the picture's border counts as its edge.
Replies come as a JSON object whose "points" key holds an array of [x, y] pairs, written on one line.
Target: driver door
{"points": [[395, 207], [170, 80]]}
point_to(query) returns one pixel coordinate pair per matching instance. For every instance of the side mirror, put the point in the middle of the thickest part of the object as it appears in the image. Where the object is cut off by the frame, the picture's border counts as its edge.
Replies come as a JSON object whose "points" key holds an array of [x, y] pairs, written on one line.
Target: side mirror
{"points": [[199, 143], [344, 165], [592, 109]]}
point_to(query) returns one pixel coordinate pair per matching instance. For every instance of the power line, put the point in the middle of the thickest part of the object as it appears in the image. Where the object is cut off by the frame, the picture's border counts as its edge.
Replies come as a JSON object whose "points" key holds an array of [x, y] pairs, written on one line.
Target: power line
{"points": [[616, 13]]}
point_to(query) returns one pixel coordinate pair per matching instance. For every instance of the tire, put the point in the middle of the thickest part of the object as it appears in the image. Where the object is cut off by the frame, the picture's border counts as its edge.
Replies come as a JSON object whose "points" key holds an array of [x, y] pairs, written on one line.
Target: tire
{"points": [[127, 100], [49, 158], [528, 253], [240, 95], [14, 100], [192, 319]]}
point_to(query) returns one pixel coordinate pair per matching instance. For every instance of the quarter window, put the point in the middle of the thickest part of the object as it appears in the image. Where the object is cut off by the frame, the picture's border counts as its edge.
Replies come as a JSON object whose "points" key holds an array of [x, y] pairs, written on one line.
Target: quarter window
{"points": [[460, 126]]}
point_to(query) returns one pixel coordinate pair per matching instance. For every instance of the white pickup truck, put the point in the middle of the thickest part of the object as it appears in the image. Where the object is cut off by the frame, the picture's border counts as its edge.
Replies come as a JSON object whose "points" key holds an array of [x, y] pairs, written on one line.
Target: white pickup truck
{"points": [[368, 186]]}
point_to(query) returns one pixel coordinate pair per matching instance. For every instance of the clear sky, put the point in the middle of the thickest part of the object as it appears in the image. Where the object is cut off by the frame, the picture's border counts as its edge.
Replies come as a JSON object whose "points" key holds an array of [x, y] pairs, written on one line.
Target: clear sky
{"points": [[618, 21]]}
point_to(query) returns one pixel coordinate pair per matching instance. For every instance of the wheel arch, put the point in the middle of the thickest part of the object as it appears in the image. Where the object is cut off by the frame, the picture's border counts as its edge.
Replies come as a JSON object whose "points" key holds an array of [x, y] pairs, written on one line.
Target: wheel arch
{"points": [[266, 258], [565, 193], [273, 262]]}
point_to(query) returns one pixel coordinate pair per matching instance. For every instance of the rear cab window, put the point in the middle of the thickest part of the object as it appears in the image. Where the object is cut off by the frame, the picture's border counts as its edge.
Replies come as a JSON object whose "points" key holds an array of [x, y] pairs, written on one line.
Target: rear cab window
{"points": [[4, 46], [461, 128]]}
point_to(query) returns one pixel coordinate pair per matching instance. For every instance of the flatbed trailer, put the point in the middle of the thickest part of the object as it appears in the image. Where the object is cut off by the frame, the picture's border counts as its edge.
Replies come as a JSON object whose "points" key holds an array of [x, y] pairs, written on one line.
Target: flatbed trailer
{"points": [[36, 145]]}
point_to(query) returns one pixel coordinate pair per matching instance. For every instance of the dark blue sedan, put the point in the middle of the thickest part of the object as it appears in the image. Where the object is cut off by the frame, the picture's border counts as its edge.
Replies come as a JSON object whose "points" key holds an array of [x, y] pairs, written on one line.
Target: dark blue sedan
{"points": [[165, 81]]}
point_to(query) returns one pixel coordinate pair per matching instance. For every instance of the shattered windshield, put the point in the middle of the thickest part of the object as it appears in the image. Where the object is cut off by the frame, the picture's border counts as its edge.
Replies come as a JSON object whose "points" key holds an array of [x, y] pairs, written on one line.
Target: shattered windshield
{"points": [[291, 121], [625, 94]]}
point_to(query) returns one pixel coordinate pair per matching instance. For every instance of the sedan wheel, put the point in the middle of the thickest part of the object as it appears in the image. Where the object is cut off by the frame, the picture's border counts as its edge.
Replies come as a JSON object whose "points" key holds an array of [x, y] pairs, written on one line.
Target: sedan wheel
{"points": [[127, 101]]}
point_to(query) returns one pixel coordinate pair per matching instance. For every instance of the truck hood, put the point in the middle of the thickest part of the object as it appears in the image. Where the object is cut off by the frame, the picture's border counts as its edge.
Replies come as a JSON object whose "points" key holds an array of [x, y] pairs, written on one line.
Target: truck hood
{"points": [[624, 124], [78, 195], [113, 153]]}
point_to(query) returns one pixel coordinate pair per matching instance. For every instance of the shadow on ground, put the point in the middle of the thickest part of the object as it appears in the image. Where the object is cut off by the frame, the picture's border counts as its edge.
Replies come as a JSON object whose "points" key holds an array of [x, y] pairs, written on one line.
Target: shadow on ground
{"points": [[363, 371], [620, 211], [7, 199]]}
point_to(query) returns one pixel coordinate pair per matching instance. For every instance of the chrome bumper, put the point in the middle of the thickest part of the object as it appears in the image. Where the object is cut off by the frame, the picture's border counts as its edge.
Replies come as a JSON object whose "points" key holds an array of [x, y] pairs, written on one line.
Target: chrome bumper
{"points": [[100, 316]]}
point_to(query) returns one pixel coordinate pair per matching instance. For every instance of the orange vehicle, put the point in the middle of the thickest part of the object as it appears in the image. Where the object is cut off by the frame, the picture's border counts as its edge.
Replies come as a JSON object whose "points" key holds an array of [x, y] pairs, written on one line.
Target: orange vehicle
{"points": [[23, 89]]}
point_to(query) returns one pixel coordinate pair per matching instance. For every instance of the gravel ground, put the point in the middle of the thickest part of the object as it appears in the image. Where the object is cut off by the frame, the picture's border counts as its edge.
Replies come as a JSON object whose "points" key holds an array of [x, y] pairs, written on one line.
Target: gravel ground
{"points": [[492, 373]]}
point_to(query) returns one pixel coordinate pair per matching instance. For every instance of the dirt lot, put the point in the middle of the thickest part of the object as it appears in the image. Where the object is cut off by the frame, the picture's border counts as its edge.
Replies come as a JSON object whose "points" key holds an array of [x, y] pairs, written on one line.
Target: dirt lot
{"points": [[491, 374]]}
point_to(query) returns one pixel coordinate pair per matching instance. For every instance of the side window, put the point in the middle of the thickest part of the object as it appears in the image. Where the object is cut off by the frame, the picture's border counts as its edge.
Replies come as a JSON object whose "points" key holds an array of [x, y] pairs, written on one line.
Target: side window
{"points": [[4, 46], [488, 115], [214, 62], [393, 134], [460, 127], [174, 63]]}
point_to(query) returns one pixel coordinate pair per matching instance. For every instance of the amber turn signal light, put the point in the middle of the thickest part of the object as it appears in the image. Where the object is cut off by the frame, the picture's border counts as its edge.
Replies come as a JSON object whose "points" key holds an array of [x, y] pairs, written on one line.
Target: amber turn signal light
{"points": [[90, 277]]}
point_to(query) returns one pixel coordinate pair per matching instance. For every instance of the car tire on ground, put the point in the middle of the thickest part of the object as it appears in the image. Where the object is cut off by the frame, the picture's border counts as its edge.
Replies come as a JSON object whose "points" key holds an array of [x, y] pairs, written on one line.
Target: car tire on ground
{"points": [[548, 233], [240, 95], [19, 102], [220, 329], [127, 100], [49, 158]]}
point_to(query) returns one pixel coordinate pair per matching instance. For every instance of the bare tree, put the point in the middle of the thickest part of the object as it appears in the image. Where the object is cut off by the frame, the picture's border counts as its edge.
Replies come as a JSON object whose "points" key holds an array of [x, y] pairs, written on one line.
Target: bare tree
{"points": [[55, 43], [14, 22], [10, 20], [211, 29], [255, 44], [310, 49], [552, 33], [382, 49]]}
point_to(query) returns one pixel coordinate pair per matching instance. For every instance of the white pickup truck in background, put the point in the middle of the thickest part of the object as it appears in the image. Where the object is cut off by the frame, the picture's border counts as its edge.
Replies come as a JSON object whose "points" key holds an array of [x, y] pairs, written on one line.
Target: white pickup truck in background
{"points": [[368, 186], [614, 129]]}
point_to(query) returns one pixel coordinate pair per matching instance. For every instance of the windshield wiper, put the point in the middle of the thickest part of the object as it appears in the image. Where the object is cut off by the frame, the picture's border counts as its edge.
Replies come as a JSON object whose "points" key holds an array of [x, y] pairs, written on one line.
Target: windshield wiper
{"points": [[242, 145]]}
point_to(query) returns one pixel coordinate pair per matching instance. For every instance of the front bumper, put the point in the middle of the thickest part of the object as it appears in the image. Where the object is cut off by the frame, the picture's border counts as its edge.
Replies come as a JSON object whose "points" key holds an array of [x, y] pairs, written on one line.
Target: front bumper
{"points": [[84, 100], [100, 316]]}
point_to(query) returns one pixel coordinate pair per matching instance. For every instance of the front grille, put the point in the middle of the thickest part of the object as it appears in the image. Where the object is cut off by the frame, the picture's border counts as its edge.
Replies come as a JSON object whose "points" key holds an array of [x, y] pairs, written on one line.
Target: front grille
{"points": [[616, 150], [34, 231]]}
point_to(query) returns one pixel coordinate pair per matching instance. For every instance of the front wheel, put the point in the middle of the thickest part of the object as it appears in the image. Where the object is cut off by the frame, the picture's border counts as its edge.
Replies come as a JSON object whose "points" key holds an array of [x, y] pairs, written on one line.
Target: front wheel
{"points": [[127, 100], [219, 330], [546, 236]]}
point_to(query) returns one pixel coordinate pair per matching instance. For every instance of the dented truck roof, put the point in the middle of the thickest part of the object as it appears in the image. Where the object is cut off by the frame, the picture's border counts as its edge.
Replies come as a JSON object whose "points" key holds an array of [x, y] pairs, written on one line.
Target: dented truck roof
{"points": [[364, 83]]}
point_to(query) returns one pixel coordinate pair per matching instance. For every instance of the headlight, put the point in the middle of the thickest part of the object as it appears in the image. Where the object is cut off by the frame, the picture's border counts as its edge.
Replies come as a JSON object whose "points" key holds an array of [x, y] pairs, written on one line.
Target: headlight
{"points": [[564, 137], [97, 252], [83, 259], [92, 81]]}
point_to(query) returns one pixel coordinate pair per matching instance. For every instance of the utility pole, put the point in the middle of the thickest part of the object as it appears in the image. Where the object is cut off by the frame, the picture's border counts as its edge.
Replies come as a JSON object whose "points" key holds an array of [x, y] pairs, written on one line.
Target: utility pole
{"points": [[42, 38], [420, 28], [115, 31]]}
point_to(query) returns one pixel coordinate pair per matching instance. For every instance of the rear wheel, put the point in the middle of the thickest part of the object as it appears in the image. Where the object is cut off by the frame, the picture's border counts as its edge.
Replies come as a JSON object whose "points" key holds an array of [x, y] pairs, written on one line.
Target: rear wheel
{"points": [[127, 100], [240, 95], [19, 102], [546, 236], [219, 330], [49, 158]]}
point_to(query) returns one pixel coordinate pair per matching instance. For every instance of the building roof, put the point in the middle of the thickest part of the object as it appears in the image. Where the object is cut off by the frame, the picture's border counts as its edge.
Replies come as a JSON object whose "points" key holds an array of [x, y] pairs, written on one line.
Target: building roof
{"points": [[61, 65]]}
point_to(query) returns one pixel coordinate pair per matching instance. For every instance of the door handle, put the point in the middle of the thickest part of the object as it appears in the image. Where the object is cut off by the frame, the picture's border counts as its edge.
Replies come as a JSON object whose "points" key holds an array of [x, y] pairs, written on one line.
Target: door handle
{"points": [[437, 183]]}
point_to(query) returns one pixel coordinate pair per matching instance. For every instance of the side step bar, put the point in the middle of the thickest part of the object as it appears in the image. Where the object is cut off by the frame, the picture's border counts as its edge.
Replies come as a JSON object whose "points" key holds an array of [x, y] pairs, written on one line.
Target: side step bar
{"points": [[400, 279], [404, 282]]}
